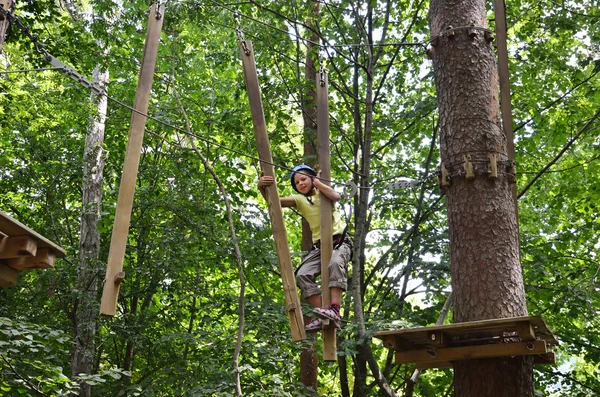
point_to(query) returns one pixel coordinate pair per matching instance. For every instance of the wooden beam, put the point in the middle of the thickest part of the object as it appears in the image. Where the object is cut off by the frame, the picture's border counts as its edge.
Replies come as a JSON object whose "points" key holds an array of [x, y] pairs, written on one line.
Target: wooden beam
{"points": [[539, 359], [397, 343], [8, 276], [118, 242], [11, 227], [419, 336], [436, 338], [266, 163], [525, 330], [44, 259], [17, 246], [545, 359], [472, 352], [329, 333]]}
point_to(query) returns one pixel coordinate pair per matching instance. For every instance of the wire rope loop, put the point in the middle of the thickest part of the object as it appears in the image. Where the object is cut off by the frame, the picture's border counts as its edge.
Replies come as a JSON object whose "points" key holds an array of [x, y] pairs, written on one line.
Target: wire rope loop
{"points": [[432, 353], [353, 191]]}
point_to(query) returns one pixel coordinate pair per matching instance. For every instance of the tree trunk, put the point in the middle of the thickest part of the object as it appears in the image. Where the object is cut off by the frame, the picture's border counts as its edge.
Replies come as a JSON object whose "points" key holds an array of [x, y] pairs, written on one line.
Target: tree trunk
{"points": [[86, 307], [4, 23], [484, 252], [309, 359]]}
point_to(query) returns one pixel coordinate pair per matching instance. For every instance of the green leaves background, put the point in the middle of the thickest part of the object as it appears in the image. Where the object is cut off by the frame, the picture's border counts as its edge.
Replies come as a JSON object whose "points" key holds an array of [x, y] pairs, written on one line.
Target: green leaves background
{"points": [[178, 306]]}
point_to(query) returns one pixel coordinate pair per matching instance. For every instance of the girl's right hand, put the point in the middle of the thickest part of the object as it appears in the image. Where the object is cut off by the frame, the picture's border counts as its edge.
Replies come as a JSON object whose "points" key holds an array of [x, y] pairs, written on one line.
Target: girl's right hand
{"points": [[265, 181]]}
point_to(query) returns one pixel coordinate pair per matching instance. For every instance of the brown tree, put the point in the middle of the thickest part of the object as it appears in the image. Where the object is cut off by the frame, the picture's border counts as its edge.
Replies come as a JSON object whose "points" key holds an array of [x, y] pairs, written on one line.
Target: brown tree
{"points": [[486, 273]]}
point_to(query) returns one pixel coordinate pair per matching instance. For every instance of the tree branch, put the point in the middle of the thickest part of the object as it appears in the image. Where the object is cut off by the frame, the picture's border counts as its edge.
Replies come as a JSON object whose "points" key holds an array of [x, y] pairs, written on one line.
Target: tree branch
{"points": [[559, 155]]}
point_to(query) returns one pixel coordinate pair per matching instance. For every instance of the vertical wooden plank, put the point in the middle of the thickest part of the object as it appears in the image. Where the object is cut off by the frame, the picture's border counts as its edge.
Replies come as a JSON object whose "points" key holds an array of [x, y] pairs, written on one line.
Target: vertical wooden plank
{"points": [[329, 333], [505, 99], [264, 153], [118, 242]]}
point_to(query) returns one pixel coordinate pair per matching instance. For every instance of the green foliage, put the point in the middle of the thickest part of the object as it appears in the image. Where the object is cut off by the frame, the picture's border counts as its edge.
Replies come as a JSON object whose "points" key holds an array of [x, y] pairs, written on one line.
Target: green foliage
{"points": [[177, 322], [31, 361]]}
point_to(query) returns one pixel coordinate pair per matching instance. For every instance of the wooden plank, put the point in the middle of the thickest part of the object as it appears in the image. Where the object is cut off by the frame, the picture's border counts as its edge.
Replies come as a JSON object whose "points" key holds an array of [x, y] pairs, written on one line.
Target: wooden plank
{"points": [[436, 338], [525, 330], [11, 227], [44, 259], [538, 359], [118, 242], [482, 328], [264, 153], [329, 333], [397, 343], [545, 359], [17, 246], [8, 276], [471, 352]]}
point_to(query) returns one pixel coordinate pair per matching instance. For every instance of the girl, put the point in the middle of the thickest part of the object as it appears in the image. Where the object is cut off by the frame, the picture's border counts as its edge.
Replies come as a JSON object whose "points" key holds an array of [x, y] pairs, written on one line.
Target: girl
{"points": [[305, 181]]}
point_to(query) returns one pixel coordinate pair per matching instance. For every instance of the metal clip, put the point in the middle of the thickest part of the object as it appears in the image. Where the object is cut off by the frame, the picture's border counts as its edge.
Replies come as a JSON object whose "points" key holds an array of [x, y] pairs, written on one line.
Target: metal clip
{"points": [[450, 32], [353, 191], [468, 166], [158, 14], [239, 34], [322, 77], [489, 35], [492, 165]]}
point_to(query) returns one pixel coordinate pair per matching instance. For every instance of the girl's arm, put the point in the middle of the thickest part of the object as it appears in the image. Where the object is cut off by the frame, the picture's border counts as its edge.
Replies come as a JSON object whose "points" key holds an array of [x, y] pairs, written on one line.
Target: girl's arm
{"points": [[265, 181], [326, 190]]}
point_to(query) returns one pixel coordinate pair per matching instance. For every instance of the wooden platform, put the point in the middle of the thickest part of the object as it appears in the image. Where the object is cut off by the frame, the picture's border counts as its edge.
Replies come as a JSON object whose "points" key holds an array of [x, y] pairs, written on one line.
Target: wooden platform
{"points": [[23, 249], [439, 346]]}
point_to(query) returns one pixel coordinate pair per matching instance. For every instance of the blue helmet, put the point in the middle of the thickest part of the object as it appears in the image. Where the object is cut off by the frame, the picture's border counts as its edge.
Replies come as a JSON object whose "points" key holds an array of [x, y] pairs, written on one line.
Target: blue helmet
{"points": [[301, 167]]}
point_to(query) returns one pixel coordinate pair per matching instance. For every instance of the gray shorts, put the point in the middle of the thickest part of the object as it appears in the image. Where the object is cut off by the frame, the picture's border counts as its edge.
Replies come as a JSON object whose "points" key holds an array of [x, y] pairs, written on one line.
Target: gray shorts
{"points": [[311, 268]]}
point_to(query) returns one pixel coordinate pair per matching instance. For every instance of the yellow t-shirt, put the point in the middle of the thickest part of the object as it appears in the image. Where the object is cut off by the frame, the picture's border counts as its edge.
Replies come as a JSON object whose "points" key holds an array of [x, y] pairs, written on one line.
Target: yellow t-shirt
{"points": [[312, 214]]}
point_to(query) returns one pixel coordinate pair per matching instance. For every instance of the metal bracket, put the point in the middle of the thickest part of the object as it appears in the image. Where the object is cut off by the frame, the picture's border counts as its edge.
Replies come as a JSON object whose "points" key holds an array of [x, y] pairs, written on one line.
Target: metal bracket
{"points": [[489, 36], [402, 185], [450, 32], [74, 75]]}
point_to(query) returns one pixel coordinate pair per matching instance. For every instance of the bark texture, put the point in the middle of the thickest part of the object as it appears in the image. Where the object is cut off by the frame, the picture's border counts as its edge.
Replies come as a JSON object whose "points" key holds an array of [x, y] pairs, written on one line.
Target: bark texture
{"points": [[87, 307], [4, 23], [486, 273]]}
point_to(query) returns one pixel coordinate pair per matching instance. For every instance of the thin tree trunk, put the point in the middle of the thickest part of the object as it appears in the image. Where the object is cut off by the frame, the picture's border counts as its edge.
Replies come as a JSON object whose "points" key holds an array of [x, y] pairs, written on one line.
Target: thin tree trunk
{"points": [[309, 359], [86, 307], [4, 23], [484, 252], [362, 225]]}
